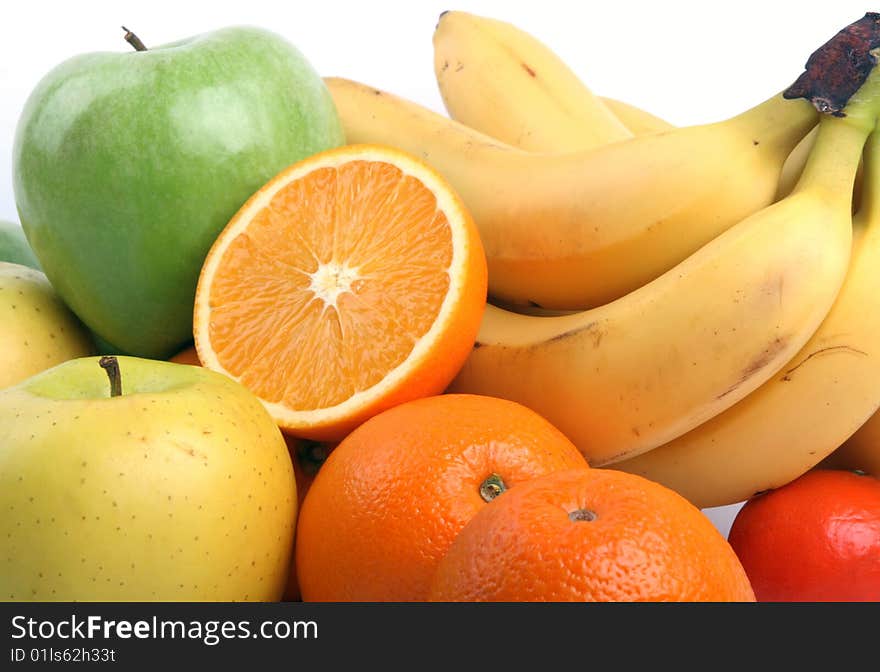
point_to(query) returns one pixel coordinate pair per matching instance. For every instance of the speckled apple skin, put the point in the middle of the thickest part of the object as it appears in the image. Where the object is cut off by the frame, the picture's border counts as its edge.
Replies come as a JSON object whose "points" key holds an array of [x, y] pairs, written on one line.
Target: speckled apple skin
{"points": [[37, 331], [180, 489]]}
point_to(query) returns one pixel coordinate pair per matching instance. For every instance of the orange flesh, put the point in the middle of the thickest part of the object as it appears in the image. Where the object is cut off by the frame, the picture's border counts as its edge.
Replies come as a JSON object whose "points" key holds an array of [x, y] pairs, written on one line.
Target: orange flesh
{"points": [[375, 241]]}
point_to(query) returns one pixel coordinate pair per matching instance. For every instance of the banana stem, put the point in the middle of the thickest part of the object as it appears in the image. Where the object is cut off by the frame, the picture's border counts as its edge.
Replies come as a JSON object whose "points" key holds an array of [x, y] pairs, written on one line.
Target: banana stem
{"points": [[837, 75], [870, 205], [832, 164], [839, 68], [834, 159], [777, 123]]}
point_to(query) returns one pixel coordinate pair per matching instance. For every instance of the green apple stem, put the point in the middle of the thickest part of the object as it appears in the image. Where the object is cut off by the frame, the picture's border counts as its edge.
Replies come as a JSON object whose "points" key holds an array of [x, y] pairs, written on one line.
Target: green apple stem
{"points": [[111, 365], [133, 40]]}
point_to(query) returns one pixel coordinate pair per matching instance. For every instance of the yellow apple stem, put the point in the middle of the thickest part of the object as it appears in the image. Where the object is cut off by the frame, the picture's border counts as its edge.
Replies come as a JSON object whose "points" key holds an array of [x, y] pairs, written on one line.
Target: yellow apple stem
{"points": [[111, 365], [133, 40]]}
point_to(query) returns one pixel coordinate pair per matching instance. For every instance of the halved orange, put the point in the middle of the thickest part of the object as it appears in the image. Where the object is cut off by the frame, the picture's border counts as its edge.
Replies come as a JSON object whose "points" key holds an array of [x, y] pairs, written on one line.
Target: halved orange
{"points": [[351, 282]]}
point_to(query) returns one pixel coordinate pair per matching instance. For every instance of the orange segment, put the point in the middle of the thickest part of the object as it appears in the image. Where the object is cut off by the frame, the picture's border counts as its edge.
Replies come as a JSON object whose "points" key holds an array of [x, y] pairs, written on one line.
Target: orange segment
{"points": [[352, 281]]}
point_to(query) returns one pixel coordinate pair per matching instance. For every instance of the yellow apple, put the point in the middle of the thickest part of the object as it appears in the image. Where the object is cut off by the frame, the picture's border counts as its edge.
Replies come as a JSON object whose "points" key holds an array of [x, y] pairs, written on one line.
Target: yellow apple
{"points": [[175, 486], [37, 330]]}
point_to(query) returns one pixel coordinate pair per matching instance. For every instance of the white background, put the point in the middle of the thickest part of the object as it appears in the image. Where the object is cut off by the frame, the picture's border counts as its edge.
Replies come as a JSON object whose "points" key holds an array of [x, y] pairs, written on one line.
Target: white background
{"points": [[689, 62]]}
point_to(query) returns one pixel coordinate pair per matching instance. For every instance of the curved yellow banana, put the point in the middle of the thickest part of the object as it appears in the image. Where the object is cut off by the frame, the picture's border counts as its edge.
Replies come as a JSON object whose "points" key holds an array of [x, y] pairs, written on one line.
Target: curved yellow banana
{"points": [[802, 414], [506, 83], [575, 230], [626, 377]]}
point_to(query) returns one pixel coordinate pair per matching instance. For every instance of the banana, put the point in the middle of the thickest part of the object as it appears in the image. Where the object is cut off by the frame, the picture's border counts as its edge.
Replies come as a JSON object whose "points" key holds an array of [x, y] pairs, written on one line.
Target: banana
{"points": [[506, 83], [637, 120], [628, 376], [812, 405], [574, 230]]}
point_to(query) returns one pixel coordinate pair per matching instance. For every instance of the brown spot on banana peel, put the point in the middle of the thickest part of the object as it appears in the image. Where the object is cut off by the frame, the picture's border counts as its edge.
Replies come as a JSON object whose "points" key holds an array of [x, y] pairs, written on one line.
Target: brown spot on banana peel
{"points": [[765, 357], [592, 327], [617, 457], [821, 351], [837, 69], [531, 72]]}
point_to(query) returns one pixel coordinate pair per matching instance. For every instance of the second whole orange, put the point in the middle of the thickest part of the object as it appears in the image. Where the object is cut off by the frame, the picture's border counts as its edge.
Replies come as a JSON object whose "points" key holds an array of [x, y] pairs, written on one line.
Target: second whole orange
{"points": [[596, 535]]}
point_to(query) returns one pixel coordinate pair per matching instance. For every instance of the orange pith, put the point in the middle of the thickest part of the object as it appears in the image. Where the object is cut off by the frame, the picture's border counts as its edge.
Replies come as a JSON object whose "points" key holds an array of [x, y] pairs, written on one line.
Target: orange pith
{"points": [[338, 284]]}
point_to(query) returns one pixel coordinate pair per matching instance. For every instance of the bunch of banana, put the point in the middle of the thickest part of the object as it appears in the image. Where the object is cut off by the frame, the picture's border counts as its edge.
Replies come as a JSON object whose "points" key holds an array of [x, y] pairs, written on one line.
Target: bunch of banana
{"points": [[623, 378], [684, 303], [504, 82], [802, 412]]}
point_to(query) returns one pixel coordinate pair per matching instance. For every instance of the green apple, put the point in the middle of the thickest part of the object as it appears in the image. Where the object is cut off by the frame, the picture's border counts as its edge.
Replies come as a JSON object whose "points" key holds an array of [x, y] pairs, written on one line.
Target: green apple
{"points": [[174, 486], [14, 246], [37, 331], [126, 166]]}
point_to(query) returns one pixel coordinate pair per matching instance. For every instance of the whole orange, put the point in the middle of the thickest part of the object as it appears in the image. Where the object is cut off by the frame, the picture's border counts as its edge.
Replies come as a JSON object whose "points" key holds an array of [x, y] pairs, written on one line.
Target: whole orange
{"points": [[594, 535], [815, 539], [395, 492]]}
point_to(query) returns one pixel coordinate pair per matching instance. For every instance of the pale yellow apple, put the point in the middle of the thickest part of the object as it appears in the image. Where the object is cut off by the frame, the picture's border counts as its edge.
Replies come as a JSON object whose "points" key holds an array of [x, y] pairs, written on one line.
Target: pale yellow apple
{"points": [[37, 330], [180, 488]]}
